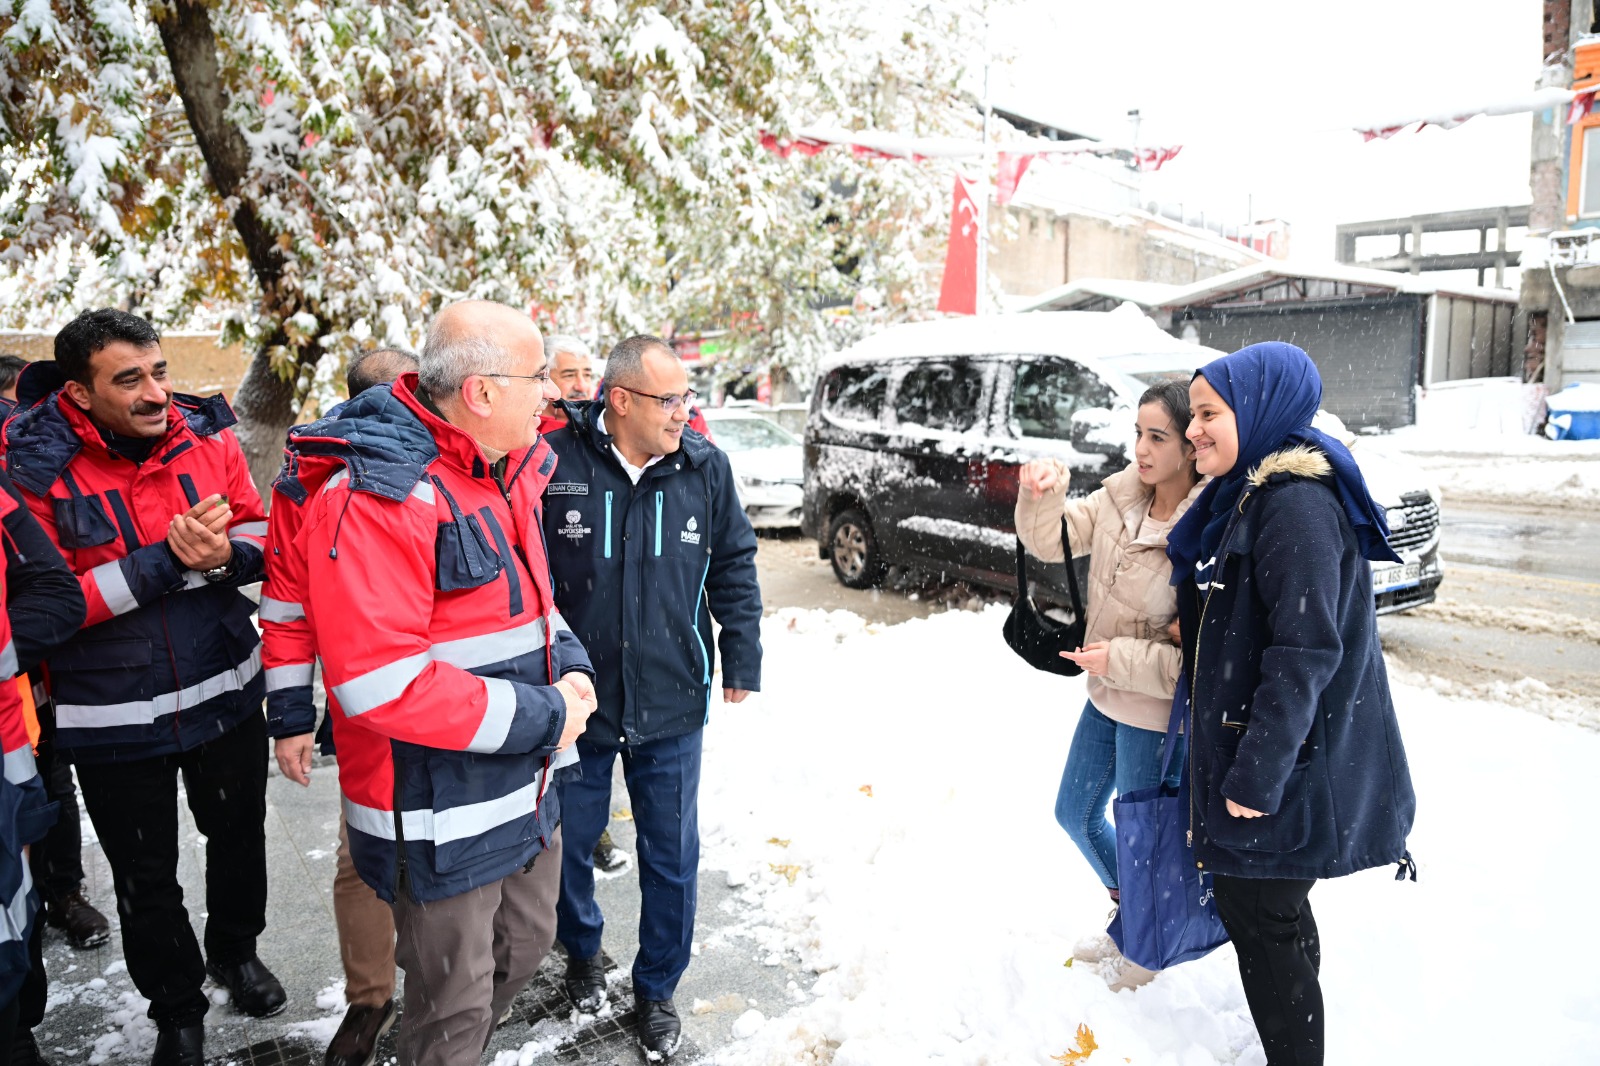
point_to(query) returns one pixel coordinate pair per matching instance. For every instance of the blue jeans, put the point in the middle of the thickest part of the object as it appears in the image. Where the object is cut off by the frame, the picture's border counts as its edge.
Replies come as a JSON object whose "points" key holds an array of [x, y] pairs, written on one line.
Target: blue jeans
{"points": [[663, 779], [1106, 755]]}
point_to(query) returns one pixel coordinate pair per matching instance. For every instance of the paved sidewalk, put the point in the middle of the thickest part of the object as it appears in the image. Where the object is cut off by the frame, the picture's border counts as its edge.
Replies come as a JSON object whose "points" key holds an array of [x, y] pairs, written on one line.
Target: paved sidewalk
{"points": [[96, 1016]]}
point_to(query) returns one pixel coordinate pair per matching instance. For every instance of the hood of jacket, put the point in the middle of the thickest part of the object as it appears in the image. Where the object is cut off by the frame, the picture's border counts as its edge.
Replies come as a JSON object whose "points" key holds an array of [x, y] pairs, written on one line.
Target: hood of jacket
{"points": [[1300, 461], [380, 440], [41, 440]]}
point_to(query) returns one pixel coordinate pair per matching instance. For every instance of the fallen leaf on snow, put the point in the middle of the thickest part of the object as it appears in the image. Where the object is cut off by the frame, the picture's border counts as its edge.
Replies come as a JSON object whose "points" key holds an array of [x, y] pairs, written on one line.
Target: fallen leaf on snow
{"points": [[1086, 1047]]}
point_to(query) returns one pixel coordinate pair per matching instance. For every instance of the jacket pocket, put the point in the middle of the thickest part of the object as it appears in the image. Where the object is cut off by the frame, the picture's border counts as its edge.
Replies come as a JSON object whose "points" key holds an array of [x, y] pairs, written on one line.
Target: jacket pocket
{"points": [[102, 673], [81, 522], [463, 556], [1288, 830]]}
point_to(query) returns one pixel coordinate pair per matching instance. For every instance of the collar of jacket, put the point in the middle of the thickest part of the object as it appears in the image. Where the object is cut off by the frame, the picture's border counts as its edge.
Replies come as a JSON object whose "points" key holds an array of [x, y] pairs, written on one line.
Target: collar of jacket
{"points": [[381, 441], [41, 441], [1300, 461], [456, 446], [1131, 497], [585, 418]]}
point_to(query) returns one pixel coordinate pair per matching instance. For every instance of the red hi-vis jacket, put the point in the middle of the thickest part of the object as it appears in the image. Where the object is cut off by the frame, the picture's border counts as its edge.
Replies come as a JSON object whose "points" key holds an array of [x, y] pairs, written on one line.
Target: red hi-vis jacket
{"points": [[25, 814], [428, 595], [166, 660], [287, 649]]}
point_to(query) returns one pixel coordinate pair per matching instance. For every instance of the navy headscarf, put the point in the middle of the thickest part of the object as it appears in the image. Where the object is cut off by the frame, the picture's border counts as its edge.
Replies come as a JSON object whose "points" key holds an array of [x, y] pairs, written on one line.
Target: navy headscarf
{"points": [[1274, 391]]}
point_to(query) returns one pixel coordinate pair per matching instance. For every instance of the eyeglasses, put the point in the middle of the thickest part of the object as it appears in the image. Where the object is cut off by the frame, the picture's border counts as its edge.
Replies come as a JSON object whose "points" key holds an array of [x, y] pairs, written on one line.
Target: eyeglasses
{"points": [[670, 402], [542, 377]]}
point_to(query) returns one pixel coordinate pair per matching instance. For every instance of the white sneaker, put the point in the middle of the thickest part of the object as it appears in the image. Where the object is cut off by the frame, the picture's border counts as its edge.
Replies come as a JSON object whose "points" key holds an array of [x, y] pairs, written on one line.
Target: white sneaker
{"points": [[1129, 975], [1096, 948]]}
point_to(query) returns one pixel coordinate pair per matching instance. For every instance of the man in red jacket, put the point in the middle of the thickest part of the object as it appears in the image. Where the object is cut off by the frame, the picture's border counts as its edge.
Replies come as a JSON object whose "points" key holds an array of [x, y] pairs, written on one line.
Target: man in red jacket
{"points": [[453, 682], [365, 922], [147, 495]]}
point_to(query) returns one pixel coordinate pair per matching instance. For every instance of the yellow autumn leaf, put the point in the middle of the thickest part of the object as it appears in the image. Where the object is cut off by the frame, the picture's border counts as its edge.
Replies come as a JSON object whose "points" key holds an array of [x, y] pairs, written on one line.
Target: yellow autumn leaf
{"points": [[1086, 1047], [622, 814], [867, 789], [788, 870], [780, 843]]}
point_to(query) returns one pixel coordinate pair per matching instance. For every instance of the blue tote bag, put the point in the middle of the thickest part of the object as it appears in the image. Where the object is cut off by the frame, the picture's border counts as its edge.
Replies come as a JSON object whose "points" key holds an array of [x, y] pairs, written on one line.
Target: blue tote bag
{"points": [[1166, 914]]}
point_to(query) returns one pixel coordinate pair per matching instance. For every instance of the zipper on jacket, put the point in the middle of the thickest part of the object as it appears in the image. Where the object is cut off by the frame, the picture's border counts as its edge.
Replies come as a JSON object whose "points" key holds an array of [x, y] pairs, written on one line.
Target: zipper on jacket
{"points": [[659, 495], [1219, 561], [401, 877], [608, 523]]}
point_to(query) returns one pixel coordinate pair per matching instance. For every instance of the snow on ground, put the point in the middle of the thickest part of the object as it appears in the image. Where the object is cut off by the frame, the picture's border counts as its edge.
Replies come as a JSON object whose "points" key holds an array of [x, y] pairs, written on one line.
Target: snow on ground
{"points": [[886, 804], [1502, 467]]}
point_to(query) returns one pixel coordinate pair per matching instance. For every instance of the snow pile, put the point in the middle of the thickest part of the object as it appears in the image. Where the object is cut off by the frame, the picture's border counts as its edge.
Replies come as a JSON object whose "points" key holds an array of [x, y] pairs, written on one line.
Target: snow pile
{"points": [[320, 1031], [1496, 468], [1552, 482], [886, 804]]}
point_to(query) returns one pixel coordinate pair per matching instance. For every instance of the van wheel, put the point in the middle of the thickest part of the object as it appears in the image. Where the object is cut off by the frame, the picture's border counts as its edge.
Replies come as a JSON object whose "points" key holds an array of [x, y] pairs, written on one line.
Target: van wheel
{"points": [[857, 562]]}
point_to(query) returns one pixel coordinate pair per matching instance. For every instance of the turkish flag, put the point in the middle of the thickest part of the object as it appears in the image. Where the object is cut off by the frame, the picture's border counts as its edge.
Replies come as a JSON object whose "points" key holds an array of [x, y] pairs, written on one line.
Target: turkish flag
{"points": [[1012, 166], [959, 293]]}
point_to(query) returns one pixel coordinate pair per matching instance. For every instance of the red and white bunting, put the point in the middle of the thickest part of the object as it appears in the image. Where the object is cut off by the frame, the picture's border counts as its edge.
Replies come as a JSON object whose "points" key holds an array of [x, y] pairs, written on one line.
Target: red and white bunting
{"points": [[877, 145], [1578, 102]]}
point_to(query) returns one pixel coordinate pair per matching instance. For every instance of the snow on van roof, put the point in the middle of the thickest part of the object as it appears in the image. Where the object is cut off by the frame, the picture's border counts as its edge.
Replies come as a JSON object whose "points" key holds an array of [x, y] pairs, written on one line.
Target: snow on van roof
{"points": [[1079, 334]]}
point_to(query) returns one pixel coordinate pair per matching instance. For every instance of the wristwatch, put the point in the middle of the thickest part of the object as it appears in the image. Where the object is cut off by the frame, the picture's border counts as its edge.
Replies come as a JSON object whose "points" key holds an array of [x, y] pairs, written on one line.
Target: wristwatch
{"points": [[219, 573]]}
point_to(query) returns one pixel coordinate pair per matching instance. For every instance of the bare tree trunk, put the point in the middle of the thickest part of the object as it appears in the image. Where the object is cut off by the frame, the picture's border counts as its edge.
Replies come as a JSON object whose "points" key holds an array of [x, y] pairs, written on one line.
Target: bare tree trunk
{"points": [[266, 402]]}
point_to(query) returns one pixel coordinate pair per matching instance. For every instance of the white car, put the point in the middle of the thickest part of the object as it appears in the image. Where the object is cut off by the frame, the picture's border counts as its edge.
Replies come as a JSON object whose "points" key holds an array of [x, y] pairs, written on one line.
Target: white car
{"points": [[767, 462]]}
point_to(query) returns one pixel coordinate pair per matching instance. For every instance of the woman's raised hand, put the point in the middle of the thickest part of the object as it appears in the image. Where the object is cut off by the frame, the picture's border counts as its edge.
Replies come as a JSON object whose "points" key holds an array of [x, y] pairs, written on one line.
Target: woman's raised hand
{"points": [[1039, 477]]}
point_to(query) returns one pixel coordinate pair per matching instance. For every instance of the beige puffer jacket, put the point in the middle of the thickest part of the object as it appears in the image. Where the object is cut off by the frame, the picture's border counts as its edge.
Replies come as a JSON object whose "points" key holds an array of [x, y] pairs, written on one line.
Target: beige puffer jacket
{"points": [[1130, 598]]}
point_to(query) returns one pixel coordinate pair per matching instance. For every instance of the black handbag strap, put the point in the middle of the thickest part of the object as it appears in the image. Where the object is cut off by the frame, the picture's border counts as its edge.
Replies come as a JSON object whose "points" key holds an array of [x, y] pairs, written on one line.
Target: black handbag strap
{"points": [[1072, 571]]}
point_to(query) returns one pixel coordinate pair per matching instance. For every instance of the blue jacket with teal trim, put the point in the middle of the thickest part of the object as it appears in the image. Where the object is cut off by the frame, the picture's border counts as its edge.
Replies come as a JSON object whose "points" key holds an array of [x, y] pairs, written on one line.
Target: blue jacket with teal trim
{"points": [[641, 570]]}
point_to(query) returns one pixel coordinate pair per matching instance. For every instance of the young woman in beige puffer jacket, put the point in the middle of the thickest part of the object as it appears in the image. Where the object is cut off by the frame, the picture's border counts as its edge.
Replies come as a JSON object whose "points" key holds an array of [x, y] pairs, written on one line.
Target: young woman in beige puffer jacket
{"points": [[1131, 659]]}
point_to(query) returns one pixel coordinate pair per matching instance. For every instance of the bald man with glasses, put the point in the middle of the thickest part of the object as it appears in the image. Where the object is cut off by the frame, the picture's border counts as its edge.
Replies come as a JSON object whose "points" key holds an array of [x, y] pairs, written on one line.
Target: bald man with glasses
{"points": [[647, 544]]}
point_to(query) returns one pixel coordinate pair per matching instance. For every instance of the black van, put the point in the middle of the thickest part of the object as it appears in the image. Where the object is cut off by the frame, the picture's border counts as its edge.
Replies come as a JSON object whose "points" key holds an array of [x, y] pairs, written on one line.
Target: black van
{"points": [[915, 436]]}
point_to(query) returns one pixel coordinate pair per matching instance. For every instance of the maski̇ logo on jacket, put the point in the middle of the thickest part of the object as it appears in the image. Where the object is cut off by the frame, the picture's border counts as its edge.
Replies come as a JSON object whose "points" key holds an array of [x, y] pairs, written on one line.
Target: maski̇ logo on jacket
{"points": [[574, 529], [689, 535]]}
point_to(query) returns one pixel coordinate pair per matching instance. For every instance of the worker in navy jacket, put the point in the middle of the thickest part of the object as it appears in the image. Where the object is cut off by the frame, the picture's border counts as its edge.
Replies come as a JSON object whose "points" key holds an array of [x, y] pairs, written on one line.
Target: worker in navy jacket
{"points": [[148, 497], [41, 607], [647, 543], [1297, 770]]}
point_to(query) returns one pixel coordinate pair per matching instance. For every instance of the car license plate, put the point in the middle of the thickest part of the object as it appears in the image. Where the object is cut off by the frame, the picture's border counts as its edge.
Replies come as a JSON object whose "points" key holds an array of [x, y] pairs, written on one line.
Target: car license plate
{"points": [[1389, 578]]}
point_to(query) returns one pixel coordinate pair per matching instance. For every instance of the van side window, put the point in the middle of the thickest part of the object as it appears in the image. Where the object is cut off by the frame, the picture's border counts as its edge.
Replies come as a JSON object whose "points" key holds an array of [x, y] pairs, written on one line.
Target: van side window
{"points": [[941, 396], [1048, 392], [856, 393]]}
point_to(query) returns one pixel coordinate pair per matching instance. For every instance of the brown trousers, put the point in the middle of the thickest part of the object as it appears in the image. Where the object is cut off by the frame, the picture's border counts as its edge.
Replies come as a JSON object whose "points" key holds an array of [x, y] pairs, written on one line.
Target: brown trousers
{"points": [[467, 957], [366, 933]]}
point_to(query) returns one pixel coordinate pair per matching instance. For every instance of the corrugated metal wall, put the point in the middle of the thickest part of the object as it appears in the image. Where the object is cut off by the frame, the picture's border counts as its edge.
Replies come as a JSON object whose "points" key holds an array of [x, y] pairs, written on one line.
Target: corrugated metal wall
{"points": [[1368, 351], [1475, 339]]}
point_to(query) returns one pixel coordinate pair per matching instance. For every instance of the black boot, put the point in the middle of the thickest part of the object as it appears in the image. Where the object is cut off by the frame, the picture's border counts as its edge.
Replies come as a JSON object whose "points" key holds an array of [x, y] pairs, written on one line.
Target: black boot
{"points": [[356, 1042], [85, 927], [253, 988], [184, 1046], [609, 857], [585, 981], [25, 1050], [658, 1027]]}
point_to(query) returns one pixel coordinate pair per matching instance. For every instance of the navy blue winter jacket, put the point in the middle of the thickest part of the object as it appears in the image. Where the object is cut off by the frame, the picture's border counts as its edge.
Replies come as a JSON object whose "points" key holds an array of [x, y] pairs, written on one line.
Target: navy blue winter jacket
{"points": [[641, 570], [1290, 710]]}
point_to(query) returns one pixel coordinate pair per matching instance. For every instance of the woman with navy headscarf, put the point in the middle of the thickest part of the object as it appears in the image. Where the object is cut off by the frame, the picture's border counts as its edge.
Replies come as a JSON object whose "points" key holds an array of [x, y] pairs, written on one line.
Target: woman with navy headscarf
{"points": [[1296, 769]]}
